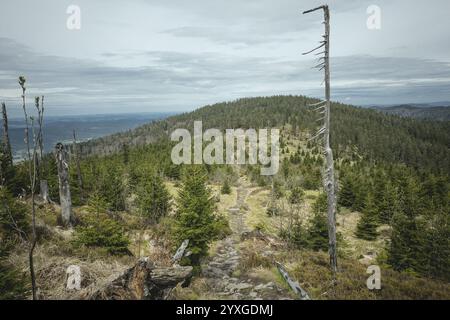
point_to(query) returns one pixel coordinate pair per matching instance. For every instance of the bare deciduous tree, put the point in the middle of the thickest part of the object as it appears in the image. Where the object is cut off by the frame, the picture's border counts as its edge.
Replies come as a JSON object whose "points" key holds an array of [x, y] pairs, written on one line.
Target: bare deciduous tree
{"points": [[32, 176]]}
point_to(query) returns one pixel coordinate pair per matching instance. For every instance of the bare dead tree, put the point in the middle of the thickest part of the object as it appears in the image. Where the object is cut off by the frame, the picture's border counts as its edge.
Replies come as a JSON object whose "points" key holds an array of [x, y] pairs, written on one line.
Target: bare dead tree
{"points": [[77, 162], [43, 184], [324, 108], [32, 176], [41, 124], [6, 140], [64, 188]]}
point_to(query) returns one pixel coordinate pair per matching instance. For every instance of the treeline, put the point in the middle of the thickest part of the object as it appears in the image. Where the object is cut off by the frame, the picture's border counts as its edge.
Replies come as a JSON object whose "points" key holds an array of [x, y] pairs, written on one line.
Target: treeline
{"points": [[376, 136], [392, 170], [416, 207]]}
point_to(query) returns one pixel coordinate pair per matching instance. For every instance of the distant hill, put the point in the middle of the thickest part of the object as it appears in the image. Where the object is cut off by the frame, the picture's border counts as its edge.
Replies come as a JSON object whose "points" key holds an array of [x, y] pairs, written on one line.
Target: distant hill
{"points": [[377, 136], [426, 112]]}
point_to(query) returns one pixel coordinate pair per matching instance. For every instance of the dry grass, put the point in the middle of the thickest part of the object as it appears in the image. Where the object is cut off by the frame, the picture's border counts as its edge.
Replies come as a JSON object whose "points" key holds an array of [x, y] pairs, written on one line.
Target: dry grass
{"points": [[311, 270], [51, 276]]}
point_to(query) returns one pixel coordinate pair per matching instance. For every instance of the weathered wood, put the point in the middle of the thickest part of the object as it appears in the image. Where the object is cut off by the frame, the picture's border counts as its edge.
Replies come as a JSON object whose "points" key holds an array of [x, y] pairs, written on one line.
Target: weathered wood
{"points": [[43, 187], [77, 163], [292, 283], [41, 133], [180, 252], [64, 188], [144, 281], [6, 141], [329, 180]]}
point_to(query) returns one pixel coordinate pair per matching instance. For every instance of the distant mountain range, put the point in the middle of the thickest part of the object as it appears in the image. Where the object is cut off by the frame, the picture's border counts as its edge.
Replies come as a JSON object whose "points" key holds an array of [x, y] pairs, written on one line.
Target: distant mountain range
{"points": [[60, 128], [431, 111]]}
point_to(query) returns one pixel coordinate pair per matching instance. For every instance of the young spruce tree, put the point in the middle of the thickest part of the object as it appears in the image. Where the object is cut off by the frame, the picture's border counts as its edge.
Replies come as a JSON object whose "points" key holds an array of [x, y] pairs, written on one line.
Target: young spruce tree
{"points": [[367, 225], [195, 218]]}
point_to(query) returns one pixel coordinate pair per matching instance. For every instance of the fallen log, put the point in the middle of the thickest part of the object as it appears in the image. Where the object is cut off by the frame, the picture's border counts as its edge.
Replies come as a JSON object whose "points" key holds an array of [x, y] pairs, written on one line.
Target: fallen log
{"points": [[292, 283], [144, 281]]}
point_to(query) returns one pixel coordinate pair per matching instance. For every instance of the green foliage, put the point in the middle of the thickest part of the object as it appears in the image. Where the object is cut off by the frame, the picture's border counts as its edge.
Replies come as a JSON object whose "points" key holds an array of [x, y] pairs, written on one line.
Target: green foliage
{"points": [[277, 189], [299, 236], [13, 216], [195, 218], [110, 186], [226, 189], [296, 195], [347, 194], [13, 284], [272, 210], [99, 230], [404, 248], [367, 224], [318, 231], [153, 199]]}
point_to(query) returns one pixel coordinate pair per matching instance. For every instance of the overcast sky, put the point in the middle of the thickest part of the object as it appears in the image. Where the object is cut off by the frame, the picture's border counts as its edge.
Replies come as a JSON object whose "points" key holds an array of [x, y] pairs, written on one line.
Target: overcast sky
{"points": [[176, 55]]}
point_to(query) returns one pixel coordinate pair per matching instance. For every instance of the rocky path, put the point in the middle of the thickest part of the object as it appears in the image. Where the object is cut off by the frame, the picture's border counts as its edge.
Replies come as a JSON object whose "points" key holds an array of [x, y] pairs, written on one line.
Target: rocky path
{"points": [[220, 269]]}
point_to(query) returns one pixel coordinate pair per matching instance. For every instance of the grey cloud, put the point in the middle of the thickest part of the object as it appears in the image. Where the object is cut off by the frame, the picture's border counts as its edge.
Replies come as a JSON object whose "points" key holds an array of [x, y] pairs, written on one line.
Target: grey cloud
{"points": [[186, 80]]}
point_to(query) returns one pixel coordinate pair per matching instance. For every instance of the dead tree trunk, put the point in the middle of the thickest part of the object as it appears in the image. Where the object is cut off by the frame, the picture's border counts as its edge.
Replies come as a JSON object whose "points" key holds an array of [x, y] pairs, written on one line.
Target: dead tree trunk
{"points": [[144, 281], [77, 161], [324, 107], [6, 141], [64, 188], [43, 187], [43, 184], [41, 124]]}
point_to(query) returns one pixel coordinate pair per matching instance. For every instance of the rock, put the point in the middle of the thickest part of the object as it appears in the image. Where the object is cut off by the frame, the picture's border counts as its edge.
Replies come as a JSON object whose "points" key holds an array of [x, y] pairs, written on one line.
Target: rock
{"points": [[239, 286], [259, 287], [253, 294], [255, 234]]}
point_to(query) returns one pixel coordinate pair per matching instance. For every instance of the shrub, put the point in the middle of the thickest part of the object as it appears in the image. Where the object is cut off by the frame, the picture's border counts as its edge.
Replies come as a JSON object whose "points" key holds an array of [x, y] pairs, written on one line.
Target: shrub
{"points": [[153, 199], [13, 285], [99, 230], [226, 189], [296, 195]]}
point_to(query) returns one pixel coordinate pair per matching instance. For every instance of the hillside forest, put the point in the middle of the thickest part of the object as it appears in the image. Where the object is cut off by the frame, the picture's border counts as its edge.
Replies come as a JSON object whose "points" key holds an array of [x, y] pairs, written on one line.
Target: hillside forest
{"points": [[106, 204]]}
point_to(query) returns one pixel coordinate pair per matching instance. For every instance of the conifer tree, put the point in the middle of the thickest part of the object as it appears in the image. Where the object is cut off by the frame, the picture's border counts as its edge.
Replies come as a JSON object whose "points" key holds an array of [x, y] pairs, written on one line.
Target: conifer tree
{"points": [[98, 229], [195, 215], [318, 231], [405, 245], [226, 189], [153, 199], [367, 224], [388, 204], [296, 195], [346, 195]]}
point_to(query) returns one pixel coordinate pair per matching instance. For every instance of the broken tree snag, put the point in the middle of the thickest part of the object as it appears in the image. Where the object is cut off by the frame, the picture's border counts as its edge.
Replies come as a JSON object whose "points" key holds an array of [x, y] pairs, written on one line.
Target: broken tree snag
{"points": [[144, 281], [43, 187], [180, 252], [293, 284], [6, 141], [64, 188], [77, 162], [325, 110]]}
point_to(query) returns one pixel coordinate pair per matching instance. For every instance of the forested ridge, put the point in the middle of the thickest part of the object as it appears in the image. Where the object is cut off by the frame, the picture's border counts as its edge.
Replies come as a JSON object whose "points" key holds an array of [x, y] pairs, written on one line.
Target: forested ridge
{"points": [[393, 196], [377, 137]]}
